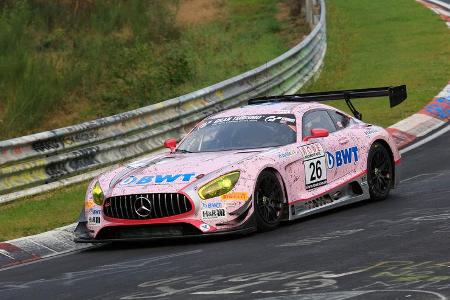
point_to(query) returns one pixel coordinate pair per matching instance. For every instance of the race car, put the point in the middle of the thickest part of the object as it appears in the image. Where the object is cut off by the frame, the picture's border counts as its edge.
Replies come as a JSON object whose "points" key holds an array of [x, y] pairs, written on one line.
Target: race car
{"points": [[278, 158]]}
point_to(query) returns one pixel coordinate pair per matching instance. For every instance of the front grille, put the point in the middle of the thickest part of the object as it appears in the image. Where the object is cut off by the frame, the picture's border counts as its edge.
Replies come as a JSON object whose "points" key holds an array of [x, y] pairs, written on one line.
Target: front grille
{"points": [[162, 205]]}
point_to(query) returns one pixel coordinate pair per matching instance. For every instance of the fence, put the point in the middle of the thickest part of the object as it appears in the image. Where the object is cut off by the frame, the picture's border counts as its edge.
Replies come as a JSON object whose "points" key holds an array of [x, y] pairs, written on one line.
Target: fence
{"points": [[46, 160]]}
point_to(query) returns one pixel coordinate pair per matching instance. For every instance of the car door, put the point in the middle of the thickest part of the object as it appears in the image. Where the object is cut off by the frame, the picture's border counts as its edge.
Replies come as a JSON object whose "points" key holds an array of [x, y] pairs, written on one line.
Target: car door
{"points": [[345, 160], [315, 151]]}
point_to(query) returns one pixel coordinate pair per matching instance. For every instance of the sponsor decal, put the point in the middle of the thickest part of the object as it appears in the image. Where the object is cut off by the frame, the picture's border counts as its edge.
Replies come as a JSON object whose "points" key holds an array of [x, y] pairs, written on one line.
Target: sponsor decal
{"points": [[213, 214], [233, 204], [370, 131], [157, 179], [286, 154], [314, 164], [94, 216], [342, 157], [208, 205], [205, 227], [235, 196], [311, 151], [89, 204], [280, 119], [93, 220], [288, 119]]}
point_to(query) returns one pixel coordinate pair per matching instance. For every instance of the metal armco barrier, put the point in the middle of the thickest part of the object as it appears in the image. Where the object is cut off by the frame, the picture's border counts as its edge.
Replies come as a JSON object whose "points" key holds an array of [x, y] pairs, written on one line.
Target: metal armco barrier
{"points": [[56, 157]]}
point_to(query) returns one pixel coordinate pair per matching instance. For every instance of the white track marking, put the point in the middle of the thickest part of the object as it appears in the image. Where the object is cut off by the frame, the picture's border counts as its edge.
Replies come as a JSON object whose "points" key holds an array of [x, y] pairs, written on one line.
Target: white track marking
{"points": [[5, 253], [420, 175]]}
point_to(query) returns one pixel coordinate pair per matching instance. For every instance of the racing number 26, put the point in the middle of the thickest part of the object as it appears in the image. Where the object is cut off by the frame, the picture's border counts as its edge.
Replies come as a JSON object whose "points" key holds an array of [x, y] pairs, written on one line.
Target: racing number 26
{"points": [[316, 168], [315, 172]]}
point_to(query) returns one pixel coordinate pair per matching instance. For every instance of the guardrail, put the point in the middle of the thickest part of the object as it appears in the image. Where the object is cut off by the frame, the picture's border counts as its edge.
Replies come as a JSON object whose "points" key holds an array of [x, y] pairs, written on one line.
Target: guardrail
{"points": [[42, 161]]}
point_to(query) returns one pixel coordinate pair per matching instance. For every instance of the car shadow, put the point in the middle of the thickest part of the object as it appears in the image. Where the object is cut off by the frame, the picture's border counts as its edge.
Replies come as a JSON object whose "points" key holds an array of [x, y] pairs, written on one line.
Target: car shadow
{"points": [[204, 240]]}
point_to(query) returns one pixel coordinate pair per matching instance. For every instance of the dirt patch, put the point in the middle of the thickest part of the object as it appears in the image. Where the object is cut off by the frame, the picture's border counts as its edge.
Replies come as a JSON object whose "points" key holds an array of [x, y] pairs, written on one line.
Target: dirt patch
{"points": [[283, 11], [192, 12], [294, 27], [70, 112]]}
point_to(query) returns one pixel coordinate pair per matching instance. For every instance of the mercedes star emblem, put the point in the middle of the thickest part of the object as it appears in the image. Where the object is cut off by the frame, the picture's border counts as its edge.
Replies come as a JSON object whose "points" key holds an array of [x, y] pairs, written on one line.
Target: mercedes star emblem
{"points": [[143, 207]]}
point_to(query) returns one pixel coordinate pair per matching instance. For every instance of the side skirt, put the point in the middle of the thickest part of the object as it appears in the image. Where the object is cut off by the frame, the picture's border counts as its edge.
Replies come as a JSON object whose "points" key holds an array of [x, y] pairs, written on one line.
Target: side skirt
{"points": [[351, 192]]}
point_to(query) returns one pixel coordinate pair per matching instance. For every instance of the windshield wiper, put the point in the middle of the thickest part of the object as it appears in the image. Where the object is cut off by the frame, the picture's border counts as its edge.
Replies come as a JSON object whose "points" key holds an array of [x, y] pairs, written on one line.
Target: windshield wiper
{"points": [[182, 151]]}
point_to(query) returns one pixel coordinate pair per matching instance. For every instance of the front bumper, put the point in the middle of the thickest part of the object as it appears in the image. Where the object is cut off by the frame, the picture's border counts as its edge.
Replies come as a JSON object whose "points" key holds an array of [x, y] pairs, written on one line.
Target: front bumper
{"points": [[154, 232]]}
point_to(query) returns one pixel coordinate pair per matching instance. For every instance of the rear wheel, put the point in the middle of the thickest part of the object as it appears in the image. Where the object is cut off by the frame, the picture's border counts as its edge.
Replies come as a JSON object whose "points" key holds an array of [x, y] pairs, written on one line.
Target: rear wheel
{"points": [[268, 201], [380, 172]]}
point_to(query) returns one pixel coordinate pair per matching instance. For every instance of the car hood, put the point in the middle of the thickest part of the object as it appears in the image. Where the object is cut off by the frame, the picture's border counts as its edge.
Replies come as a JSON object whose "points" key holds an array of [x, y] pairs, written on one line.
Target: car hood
{"points": [[169, 172]]}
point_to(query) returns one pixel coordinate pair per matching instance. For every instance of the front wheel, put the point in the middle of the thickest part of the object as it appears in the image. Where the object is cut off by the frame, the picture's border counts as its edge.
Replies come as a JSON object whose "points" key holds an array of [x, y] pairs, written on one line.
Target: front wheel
{"points": [[379, 172], [268, 201]]}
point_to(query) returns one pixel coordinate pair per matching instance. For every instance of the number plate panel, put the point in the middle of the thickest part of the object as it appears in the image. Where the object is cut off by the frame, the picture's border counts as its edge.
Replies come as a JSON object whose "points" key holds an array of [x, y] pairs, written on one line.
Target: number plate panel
{"points": [[315, 165]]}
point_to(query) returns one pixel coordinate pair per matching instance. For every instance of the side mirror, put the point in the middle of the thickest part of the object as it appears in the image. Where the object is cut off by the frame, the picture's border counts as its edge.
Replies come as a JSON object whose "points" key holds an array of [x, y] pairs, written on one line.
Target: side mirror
{"points": [[171, 144], [316, 133]]}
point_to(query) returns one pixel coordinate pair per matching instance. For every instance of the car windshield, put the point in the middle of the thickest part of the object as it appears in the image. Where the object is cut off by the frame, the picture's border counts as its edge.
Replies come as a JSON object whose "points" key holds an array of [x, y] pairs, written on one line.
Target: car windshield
{"points": [[241, 132]]}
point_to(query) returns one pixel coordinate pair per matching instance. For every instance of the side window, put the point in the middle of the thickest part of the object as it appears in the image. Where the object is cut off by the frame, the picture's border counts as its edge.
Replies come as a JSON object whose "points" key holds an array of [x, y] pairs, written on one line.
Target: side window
{"points": [[340, 120], [317, 119]]}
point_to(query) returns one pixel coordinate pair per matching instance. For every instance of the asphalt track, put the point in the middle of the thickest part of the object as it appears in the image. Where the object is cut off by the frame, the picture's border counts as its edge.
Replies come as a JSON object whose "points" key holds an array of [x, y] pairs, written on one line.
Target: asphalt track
{"points": [[394, 249]]}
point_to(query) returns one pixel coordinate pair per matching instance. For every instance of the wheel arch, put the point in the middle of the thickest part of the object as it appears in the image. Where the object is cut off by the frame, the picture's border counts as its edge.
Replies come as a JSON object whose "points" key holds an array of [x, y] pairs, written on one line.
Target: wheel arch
{"points": [[391, 156], [280, 178]]}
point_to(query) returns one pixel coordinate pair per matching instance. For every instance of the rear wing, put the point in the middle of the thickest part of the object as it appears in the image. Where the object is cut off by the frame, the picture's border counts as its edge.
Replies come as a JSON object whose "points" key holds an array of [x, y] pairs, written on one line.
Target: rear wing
{"points": [[396, 94]]}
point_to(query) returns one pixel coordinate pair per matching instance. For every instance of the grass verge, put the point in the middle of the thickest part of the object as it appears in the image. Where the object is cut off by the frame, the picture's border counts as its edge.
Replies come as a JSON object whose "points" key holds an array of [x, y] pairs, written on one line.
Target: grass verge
{"points": [[41, 213], [382, 43], [62, 63]]}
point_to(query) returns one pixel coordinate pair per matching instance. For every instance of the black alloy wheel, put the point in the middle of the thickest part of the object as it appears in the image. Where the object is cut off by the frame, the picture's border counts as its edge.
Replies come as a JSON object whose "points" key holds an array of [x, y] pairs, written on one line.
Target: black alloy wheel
{"points": [[380, 172], [268, 201]]}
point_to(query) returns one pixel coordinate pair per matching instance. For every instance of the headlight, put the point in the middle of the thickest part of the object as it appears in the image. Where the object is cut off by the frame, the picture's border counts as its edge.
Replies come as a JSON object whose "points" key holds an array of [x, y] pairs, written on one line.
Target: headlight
{"points": [[97, 194], [219, 186]]}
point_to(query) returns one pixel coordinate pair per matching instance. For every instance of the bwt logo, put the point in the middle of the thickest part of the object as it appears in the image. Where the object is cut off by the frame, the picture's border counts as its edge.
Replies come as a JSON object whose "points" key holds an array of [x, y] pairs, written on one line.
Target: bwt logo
{"points": [[342, 157], [157, 179]]}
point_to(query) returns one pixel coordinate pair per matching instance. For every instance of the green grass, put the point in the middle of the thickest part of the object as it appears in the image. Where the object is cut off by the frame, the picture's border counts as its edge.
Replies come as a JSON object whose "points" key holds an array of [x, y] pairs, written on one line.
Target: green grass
{"points": [[61, 64], [381, 43], [384, 43], [41, 213]]}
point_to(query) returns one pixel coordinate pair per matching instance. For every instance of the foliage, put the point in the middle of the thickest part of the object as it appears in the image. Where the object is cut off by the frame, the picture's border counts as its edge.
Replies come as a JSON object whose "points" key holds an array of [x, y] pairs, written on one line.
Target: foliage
{"points": [[385, 43], [67, 61]]}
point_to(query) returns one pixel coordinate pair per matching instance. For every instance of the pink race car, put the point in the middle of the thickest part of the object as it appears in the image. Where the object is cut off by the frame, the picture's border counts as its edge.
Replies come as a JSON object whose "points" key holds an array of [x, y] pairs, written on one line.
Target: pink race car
{"points": [[278, 158]]}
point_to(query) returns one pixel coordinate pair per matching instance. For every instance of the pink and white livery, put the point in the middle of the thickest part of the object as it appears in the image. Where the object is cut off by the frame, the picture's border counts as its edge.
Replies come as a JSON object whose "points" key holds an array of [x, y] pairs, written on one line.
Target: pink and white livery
{"points": [[276, 159]]}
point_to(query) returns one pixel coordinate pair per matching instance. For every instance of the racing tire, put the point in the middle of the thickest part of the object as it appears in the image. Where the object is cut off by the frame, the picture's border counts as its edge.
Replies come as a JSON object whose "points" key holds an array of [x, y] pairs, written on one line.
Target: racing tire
{"points": [[268, 201], [380, 172]]}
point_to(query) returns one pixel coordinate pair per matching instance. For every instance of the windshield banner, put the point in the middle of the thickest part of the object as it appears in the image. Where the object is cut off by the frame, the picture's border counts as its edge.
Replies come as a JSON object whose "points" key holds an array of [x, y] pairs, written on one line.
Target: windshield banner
{"points": [[288, 119]]}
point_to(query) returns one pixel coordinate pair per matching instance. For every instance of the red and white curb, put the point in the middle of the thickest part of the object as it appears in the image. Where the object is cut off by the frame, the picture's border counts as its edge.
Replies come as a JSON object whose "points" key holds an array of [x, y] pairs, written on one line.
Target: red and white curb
{"points": [[433, 116]]}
